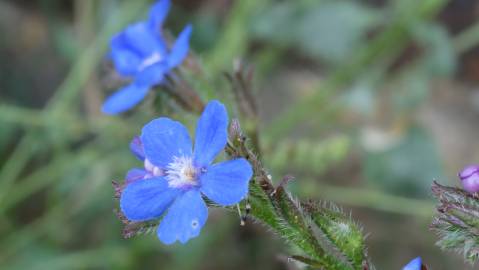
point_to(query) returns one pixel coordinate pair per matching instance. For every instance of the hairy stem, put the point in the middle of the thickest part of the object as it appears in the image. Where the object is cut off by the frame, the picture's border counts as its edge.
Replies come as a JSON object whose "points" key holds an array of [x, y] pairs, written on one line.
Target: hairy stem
{"points": [[328, 238]]}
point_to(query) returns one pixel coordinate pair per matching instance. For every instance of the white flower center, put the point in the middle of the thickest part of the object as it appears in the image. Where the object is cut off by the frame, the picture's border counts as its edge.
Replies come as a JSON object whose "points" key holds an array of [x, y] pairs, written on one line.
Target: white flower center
{"points": [[152, 59], [181, 172]]}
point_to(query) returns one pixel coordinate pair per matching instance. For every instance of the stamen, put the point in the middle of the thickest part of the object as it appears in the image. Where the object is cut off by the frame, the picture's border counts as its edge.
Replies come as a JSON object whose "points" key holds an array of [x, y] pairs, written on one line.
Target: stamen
{"points": [[181, 172], [242, 218]]}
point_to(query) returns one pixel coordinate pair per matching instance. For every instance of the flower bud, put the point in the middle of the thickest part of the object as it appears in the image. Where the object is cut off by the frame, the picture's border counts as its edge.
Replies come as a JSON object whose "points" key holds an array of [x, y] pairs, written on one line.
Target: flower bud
{"points": [[470, 178]]}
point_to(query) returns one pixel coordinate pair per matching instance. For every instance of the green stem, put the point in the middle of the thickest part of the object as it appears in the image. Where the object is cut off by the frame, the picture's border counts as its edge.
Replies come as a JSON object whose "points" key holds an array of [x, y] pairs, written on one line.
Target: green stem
{"points": [[323, 234], [47, 175], [74, 126], [14, 165], [373, 199], [233, 40]]}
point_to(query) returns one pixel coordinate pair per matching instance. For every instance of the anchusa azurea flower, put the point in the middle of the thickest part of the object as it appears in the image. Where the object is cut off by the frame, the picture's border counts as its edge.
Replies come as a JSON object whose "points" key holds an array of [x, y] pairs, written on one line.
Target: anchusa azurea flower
{"points": [[140, 53], [470, 178], [415, 264], [175, 176]]}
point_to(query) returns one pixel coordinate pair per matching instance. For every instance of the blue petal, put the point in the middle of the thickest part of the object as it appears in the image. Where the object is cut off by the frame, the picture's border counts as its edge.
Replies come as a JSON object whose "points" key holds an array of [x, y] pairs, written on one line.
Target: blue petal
{"points": [[180, 48], [152, 74], [124, 99], [164, 139], [118, 42], [415, 264], [134, 175], [211, 133], [158, 13], [147, 199], [136, 147], [144, 40], [226, 183], [126, 62], [125, 59], [184, 220]]}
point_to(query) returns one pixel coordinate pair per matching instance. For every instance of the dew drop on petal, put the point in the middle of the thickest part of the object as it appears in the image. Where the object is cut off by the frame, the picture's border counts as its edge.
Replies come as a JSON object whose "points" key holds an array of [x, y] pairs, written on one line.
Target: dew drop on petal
{"points": [[194, 223]]}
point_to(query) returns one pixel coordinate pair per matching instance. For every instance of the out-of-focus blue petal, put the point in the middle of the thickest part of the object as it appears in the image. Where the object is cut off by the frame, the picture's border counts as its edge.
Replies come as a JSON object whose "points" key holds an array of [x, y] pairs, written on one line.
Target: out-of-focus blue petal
{"points": [[180, 49], [136, 147], [158, 13], [151, 75], [126, 62], [163, 139], [415, 264], [124, 99], [211, 133], [185, 218], [144, 40], [125, 59], [226, 183], [134, 175], [118, 42], [147, 199]]}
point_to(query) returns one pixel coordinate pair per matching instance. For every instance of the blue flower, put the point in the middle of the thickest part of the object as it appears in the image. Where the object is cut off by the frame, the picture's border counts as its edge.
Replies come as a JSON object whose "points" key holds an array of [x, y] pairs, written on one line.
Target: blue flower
{"points": [[140, 53], [175, 176], [415, 264]]}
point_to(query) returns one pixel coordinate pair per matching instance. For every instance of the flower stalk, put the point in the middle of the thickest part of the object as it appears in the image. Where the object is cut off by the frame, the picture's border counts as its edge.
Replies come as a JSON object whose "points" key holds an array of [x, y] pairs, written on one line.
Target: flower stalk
{"points": [[328, 238]]}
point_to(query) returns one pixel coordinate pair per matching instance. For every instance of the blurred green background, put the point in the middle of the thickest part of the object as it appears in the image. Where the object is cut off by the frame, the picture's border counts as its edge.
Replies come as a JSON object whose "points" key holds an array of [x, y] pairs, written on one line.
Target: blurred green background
{"points": [[364, 102]]}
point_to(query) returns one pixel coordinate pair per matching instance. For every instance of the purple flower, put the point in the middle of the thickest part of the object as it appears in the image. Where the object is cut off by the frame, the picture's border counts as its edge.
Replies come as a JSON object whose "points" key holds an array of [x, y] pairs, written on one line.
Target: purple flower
{"points": [[415, 264], [470, 178], [141, 53], [175, 176]]}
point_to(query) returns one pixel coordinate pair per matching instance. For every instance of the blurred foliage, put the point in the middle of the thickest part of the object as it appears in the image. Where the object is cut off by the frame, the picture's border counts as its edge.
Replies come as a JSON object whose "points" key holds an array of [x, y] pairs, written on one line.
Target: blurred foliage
{"points": [[405, 168], [327, 30], [374, 66], [308, 156], [325, 236]]}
